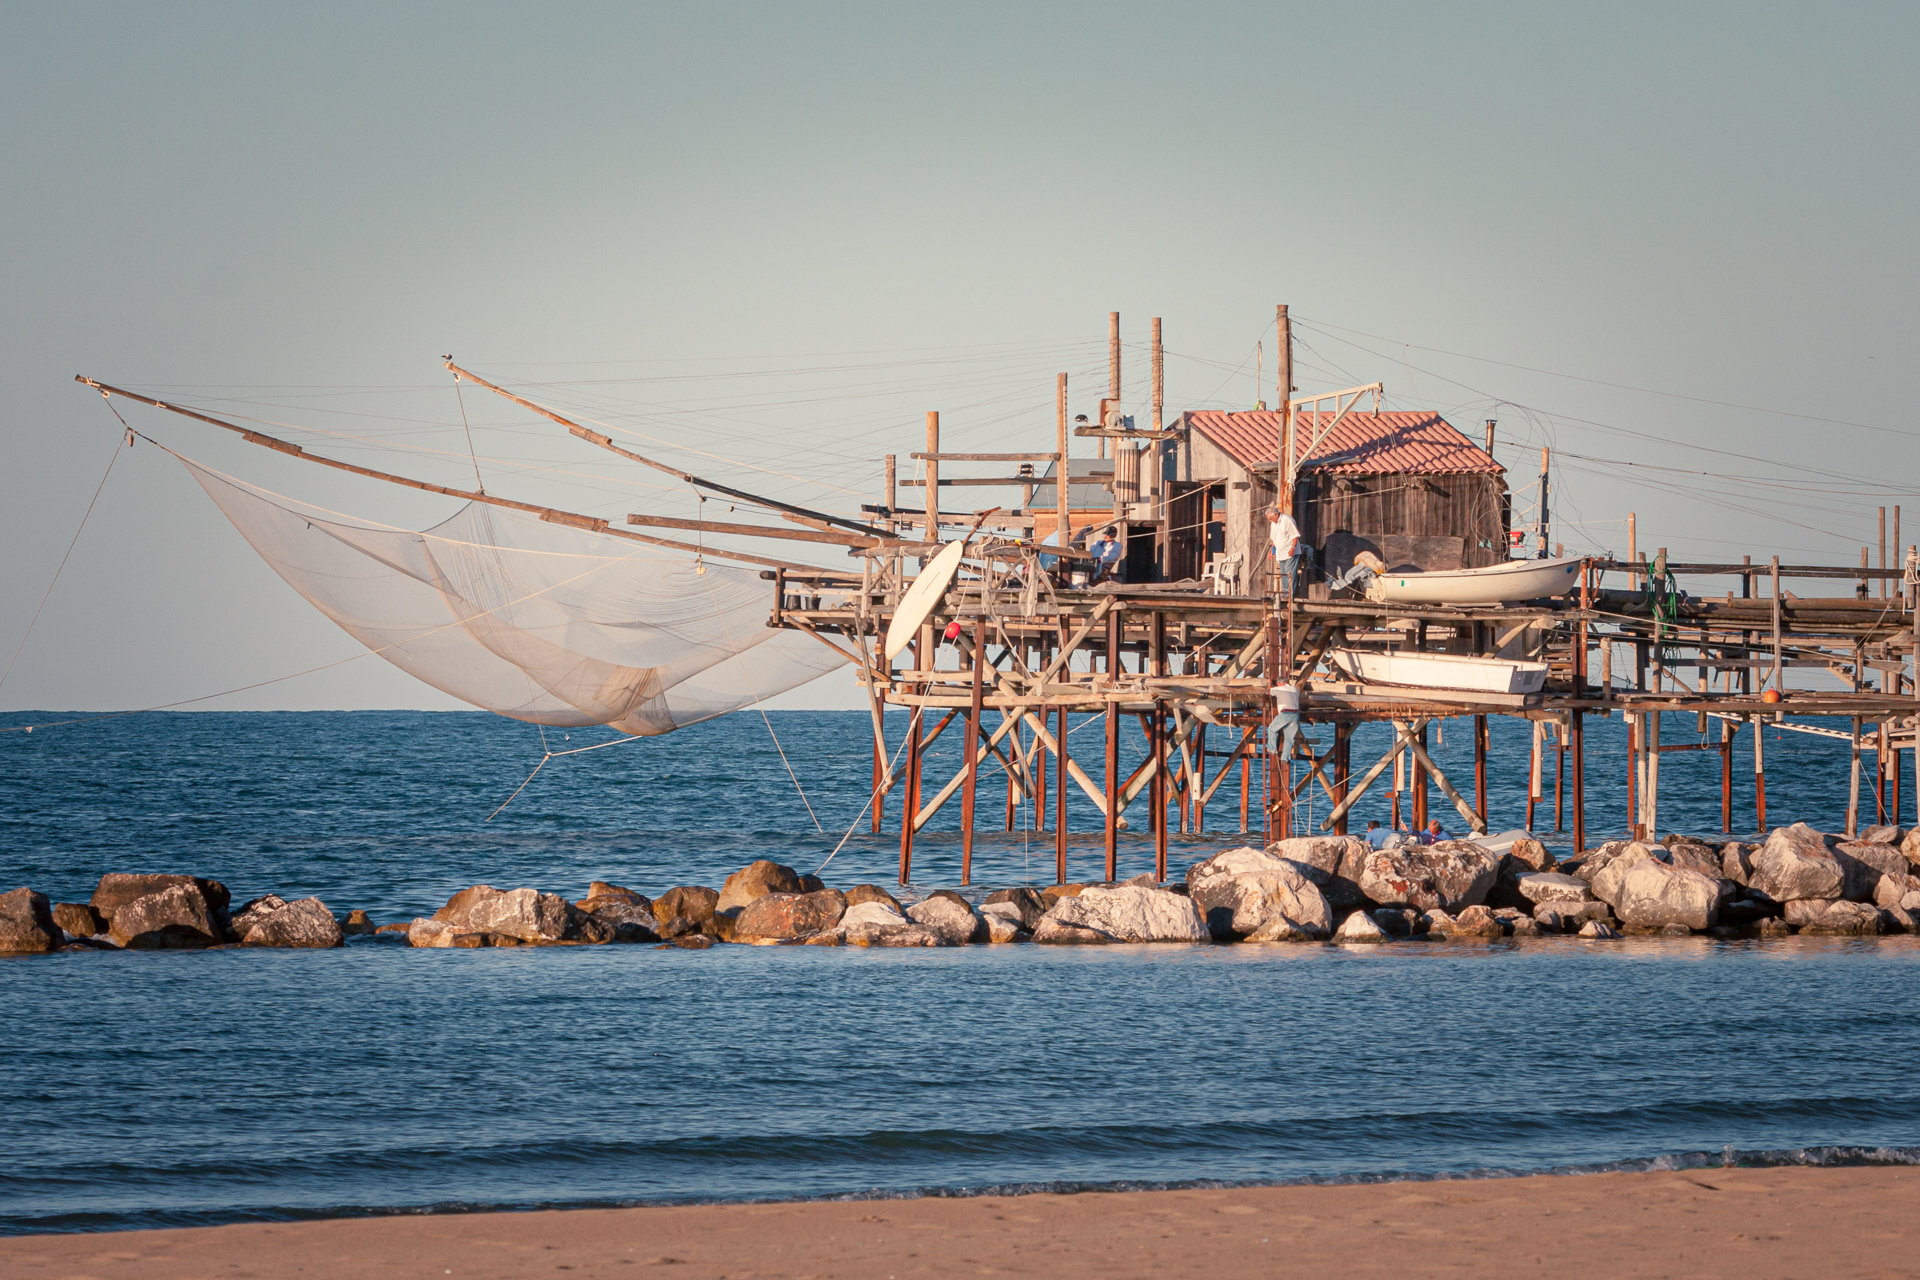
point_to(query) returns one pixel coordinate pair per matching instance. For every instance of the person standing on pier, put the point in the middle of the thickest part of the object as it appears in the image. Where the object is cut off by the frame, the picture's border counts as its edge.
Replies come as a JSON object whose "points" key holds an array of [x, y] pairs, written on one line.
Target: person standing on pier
{"points": [[1283, 537]]}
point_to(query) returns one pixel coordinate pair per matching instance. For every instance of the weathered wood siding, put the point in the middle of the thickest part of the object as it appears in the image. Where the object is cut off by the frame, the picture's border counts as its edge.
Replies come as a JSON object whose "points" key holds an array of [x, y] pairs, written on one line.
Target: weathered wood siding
{"points": [[1469, 507]]}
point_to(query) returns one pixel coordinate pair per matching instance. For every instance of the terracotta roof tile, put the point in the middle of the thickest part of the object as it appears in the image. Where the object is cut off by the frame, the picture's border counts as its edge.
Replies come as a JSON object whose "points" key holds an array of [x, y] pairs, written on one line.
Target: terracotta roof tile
{"points": [[1396, 442]]}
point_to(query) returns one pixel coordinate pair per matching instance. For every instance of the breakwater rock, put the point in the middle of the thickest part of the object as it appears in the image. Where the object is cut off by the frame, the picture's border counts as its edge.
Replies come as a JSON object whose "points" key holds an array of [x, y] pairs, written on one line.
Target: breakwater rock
{"points": [[1335, 889]]}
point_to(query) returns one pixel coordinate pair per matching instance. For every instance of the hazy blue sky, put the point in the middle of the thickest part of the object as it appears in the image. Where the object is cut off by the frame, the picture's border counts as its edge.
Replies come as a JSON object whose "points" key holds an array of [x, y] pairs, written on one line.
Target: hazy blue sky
{"points": [[803, 226]]}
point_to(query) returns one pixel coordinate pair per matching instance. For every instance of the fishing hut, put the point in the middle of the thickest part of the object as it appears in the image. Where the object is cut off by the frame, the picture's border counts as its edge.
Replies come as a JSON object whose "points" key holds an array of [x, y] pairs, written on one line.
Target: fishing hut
{"points": [[996, 623], [1190, 636]]}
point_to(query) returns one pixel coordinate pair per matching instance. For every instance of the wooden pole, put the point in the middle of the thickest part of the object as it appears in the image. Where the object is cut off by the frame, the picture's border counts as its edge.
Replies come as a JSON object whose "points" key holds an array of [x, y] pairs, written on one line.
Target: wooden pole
{"points": [[1577, 746], [1759, 773], [1543, 503], [1061, 476], [1883, 551], [1778, 667], [1060, 803], [1283, 401], [933, 475], [1113, 749], [1480, 744], [1653, 776], [1633, 550], [1420, 782], [1159, 379], [1559, 776], [1113, 371], [1634, 766], [1160, 787], [970, 797], [1727, 731], [1533, 771], [910, 790], [1157, 665], [1853, 786], [1246, 786], [1342, 768], [879, 772], [891, 498]]}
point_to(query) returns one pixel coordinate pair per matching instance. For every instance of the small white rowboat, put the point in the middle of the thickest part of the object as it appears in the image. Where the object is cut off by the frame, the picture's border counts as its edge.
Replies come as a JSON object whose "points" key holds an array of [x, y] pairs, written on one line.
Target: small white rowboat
{"points": [[1442, 671], [1494, 584]]}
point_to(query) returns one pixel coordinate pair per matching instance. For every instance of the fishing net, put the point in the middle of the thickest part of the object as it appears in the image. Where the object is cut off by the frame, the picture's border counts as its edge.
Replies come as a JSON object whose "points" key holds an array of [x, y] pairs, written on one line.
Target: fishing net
{"points": [[534, 620]]}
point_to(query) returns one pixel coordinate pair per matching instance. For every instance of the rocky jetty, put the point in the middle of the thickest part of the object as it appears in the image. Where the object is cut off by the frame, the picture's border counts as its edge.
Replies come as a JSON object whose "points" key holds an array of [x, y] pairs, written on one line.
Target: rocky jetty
{"points": [[1323, 889]]}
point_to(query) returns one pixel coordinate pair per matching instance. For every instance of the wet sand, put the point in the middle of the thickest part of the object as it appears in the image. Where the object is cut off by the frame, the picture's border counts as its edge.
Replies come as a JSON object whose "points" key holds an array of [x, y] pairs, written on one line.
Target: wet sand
{"points": [[1744, 1223]]}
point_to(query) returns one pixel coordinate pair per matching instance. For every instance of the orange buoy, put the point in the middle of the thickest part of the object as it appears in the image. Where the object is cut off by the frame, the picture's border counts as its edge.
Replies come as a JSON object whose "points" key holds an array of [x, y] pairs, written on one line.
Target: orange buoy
{"points": [[1771, 695]]}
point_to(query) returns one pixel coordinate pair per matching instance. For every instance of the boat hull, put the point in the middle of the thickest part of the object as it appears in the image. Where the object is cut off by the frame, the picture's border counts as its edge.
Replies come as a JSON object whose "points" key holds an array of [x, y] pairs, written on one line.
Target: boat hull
{"points": [[1506, 583], [1403, 670]]}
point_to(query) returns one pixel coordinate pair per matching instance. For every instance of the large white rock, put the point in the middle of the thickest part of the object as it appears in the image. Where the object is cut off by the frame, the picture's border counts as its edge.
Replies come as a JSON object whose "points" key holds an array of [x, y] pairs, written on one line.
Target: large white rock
{"points": [[1892, 891], [1131, 913], [1862, 866], [1360, 927], [1795, 863], [302, 923], [1238, 895], [1607, 880], [526, 914], [430, 933], [1653, 893], [1332, 863], [1551, 886], [1847, 919], [955, 921]]}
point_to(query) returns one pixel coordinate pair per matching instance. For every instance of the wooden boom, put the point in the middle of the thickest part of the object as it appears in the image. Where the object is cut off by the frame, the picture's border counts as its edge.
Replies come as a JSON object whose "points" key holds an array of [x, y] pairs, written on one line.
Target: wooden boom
{"points": [[553, 515], [606, 442]]}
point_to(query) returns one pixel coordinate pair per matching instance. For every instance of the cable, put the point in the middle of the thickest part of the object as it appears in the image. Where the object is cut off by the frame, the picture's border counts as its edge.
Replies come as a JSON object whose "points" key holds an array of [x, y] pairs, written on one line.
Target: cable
{"points": [[128, 439]]}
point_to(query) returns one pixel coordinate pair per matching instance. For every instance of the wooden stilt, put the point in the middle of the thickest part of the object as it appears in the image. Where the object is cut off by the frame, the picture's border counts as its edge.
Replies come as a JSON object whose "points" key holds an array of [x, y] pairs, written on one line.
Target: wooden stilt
{"points": [[1653, 776], [1013, 790], [910, 795], [1726, 776], [1559, 775], [1420, 783], [1633, 776], [1246, 783], [1342, 768], [1533, 771], [1480, 768], [1579, 781], [1160, 805], [1853, 784], [1196, 790], [1060, 803], [1759, 773], [1113, 750], [879, 772], [970, 797]]}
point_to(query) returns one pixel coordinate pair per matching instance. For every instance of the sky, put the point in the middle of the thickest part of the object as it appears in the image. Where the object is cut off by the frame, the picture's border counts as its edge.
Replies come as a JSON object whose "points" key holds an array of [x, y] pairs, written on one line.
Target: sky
{"points": [[1672, 242]]}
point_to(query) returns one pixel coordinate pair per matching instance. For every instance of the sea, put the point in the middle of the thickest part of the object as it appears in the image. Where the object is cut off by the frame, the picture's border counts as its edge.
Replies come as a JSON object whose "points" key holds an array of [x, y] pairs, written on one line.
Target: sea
{"points": [[188, 1088]]}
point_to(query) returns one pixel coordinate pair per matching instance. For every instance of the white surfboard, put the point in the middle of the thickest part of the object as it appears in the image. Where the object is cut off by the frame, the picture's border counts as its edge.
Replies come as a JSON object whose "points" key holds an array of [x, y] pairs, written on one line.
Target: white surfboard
{"points": [[922, 596]]}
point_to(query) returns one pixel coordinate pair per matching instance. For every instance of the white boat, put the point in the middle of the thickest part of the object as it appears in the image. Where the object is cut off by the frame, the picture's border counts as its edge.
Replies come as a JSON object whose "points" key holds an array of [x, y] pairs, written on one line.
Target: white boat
{"points": [[1494, 584], [1410, 670]]}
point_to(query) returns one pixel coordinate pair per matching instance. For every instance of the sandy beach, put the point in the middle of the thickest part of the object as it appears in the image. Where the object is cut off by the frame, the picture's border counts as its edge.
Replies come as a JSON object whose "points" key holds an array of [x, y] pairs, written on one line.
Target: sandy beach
{"points": [[1707, 1222]]}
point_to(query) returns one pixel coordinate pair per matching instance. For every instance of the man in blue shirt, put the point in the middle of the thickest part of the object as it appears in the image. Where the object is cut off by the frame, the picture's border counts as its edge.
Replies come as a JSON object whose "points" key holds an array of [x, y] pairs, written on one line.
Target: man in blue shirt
{"points": [[1107, 550], [1435, 833], [1377, 835]]}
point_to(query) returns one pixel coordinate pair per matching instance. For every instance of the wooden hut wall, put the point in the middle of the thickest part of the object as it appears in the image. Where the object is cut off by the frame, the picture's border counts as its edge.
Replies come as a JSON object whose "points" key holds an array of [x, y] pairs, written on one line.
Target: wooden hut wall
{"points": [[1469, 507]]}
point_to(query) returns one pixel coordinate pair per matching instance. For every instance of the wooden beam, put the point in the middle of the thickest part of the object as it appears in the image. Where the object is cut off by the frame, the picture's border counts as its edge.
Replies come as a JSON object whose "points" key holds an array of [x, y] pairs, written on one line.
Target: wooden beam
{"points": [[606, 442], [754, 530], [553, 515]]}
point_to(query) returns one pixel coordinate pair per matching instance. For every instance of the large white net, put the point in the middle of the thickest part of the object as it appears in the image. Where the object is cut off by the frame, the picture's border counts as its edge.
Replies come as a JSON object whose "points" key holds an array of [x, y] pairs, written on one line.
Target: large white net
{"points": [[534, 620]]}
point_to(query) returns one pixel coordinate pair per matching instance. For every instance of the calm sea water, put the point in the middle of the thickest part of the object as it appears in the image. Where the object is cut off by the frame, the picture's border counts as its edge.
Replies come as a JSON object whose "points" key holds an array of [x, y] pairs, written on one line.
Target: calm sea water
{"points": [[172, 1088]]}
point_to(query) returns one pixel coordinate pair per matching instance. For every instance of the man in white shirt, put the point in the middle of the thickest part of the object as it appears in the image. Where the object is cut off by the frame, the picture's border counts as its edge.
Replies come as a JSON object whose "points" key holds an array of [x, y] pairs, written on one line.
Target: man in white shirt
{"points": [[1283, 536]]}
